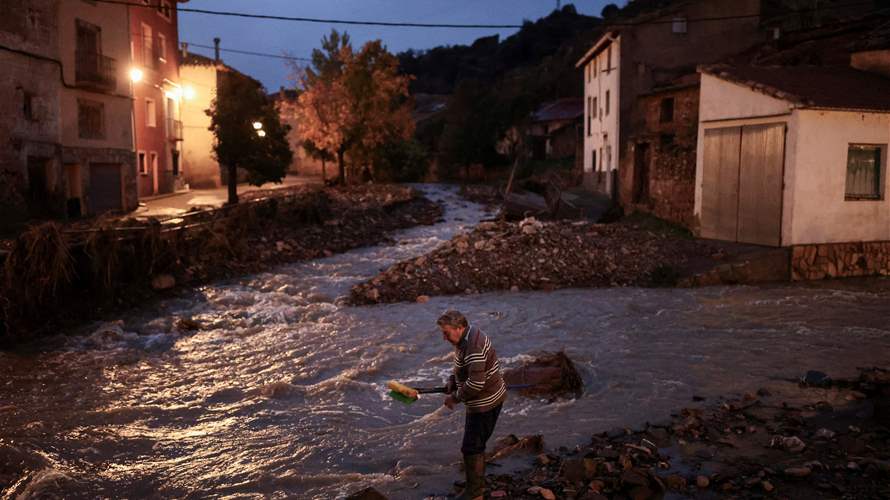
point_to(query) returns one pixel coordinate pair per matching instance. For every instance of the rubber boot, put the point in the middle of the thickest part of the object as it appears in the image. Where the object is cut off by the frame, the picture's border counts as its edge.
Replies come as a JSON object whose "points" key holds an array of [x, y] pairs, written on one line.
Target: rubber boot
{"points": [[474, 468]]}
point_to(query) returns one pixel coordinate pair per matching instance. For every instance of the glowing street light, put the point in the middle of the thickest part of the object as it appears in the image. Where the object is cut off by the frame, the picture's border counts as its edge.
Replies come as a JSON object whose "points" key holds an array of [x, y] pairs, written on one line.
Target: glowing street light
{"points": [[136, 75], [188, 92], [257, 126], [261, 133]]}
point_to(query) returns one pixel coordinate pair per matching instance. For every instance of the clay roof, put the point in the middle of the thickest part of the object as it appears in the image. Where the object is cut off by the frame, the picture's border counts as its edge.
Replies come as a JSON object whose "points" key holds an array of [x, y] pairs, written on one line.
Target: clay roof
{"points": [[812, 86], [192, 59], [561, 109]]}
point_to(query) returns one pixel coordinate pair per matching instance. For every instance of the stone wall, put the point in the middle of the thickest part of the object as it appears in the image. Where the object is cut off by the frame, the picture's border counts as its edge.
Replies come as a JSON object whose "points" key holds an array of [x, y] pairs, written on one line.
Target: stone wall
{"points": [[840, 260], [657, 173]]}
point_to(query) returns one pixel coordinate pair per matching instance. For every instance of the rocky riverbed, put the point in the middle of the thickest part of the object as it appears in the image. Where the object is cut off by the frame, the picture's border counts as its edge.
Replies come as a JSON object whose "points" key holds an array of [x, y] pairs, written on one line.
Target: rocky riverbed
{"points": [[537, 255], [818, 439]]}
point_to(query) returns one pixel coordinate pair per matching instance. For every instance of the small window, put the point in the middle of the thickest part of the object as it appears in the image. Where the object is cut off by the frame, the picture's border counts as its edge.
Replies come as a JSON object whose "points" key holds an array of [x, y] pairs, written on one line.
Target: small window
{"points": [[593, 159], [865, 172], [608, 59], [162, 47], [678, 26], [667, 110], [28, 106], [90, 119], [666, 141], [147, 46], [594, 67], [151, 117], [164, 9], [590, 111], [140, 161], [607, 103], [596, 108]]}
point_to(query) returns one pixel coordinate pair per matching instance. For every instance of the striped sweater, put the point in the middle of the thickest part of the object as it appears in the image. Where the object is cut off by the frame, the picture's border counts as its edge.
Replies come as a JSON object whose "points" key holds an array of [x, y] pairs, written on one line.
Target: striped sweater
{"points": [[478, 373]]}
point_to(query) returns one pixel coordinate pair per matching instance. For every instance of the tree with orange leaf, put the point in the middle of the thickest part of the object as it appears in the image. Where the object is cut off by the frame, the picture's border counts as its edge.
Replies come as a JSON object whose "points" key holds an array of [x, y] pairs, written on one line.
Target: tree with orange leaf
{"points": [[353, 103]]}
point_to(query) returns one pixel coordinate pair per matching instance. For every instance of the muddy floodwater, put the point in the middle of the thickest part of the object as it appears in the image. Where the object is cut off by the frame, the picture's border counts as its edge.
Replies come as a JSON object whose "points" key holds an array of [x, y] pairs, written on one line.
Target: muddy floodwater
{"points": [[281, 394]]}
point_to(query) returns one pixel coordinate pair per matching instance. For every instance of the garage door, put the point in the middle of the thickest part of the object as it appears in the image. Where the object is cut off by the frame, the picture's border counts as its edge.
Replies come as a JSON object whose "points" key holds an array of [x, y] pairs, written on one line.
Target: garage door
{"points": [[742, 183], [105, 187]]}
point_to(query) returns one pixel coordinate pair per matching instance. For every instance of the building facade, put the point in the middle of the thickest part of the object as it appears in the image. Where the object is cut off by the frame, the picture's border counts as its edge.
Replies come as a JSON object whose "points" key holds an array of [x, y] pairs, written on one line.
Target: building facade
{"points": [[789, 156], [644, 53], [68, 119], [157, 94]]}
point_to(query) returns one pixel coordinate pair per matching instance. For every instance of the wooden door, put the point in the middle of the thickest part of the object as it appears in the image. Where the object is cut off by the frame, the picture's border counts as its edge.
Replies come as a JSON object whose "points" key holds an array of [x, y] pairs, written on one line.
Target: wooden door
{"points": [[720, 183], [761, 174]]}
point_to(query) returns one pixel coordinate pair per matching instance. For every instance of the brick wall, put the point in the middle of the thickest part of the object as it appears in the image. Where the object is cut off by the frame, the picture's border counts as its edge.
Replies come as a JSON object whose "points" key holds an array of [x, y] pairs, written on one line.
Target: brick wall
{"points": [[840, 260]]}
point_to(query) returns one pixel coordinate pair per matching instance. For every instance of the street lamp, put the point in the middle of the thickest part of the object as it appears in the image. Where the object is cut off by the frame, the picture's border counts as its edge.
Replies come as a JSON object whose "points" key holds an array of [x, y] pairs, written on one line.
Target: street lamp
{"points": [[257, 126], [261, 133], [135, 75], [188, 92]]}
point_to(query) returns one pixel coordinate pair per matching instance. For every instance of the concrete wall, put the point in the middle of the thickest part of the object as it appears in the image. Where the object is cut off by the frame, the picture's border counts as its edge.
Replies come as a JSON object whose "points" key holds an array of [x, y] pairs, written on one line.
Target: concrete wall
{"points": [[817, 178], [602, 135], [201, 169]]}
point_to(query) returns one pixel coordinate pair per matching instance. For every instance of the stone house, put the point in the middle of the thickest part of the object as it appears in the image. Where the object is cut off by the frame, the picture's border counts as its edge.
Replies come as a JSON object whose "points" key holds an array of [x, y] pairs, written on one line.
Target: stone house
{"points": [[650, 47], [797, 157], [157, 94], [662, 180], [67, 146]]}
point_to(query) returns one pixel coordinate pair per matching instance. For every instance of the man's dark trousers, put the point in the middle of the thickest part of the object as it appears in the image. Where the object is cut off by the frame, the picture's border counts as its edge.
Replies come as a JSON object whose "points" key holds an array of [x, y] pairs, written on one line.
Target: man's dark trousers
{"points": [[478, 427]]}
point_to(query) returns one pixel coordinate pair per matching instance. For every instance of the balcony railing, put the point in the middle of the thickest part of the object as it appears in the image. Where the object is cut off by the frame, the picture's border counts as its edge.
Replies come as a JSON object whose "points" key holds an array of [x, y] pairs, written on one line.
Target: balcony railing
{"points": [[174, 129], [95, 70]]}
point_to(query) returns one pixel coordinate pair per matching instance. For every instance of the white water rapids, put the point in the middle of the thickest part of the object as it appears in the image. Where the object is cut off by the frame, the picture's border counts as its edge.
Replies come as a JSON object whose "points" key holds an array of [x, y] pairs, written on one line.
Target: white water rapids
{"points": [[281, 394]]}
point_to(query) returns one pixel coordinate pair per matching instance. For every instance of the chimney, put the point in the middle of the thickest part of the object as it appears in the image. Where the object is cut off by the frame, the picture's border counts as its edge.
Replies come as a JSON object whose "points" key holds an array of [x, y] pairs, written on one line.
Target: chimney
{"points": [[873, 61], [216, 48]]}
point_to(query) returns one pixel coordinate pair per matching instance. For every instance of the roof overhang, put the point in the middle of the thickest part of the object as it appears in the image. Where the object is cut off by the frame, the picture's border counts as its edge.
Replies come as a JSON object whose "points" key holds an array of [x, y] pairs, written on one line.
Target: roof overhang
{"points": [[600, 45]]}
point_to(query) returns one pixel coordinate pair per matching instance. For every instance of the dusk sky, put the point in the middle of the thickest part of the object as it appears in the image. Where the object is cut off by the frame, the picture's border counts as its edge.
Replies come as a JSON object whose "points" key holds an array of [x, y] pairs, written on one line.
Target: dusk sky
{"points": [[299, 38]]}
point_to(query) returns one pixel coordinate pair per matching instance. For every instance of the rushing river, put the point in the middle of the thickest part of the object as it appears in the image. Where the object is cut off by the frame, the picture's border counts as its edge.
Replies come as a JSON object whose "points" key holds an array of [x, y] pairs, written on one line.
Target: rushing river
{"points": [[281, 394]]}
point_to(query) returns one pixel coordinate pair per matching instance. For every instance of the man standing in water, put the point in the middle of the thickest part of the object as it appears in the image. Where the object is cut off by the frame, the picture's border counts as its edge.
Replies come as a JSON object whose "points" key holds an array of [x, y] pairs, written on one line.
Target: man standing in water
{"points": [[477, 383]]}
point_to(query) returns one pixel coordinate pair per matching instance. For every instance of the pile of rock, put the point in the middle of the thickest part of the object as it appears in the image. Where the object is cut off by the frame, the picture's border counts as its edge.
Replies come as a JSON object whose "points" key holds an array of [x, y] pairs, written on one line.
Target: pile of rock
{"points": [[535, 255], [832, 443]]}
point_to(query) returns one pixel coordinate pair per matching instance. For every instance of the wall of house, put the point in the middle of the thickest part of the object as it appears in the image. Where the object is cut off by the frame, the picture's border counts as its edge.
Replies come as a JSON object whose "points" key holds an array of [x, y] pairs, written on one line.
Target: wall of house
{"points": [[149, 31], [726, 104], [116, 144], [601, 134], [32, 130], [201, 169], [817, 178], [669, 192]]}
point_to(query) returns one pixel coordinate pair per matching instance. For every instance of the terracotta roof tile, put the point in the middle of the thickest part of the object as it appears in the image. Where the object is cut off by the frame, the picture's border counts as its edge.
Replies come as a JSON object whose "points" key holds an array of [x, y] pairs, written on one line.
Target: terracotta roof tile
{"points": [[812, 86]]}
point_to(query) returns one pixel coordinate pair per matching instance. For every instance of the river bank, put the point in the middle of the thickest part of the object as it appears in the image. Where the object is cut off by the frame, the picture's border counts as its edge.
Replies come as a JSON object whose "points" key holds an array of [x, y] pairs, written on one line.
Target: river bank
{"points": [[56, 277], [817, 439]]}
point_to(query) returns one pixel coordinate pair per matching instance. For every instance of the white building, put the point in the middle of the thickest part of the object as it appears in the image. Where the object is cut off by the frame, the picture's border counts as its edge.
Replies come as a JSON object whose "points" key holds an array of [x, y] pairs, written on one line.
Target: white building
{"points": [[793, 156], [602, 68]]}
